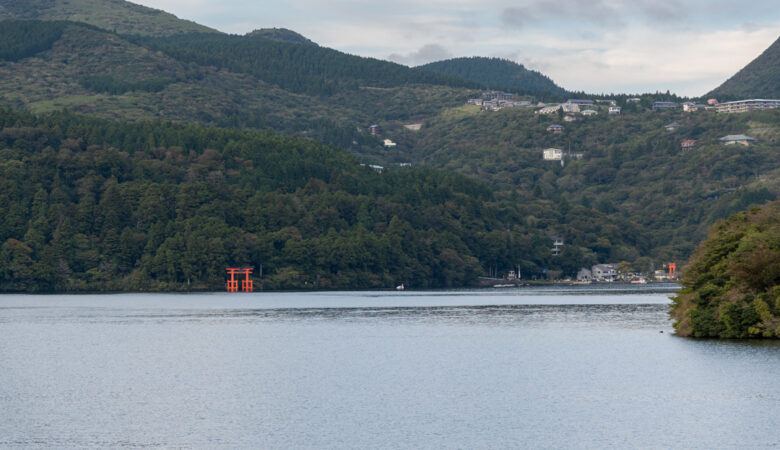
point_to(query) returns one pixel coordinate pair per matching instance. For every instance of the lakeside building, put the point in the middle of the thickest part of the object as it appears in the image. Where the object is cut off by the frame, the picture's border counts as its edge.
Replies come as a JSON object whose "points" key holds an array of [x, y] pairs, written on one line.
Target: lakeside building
{"points": [[739, 106], [604, 272], [584, 275], [557, 246]]}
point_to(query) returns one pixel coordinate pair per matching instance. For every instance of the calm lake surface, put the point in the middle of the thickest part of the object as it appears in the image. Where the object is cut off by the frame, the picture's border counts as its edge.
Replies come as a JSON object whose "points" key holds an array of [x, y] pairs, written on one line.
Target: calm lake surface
{"points": [[552, 367]]}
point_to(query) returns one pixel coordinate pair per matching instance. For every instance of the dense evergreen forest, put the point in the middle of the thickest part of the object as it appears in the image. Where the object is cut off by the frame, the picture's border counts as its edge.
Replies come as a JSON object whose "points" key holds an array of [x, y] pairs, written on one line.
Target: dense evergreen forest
{"points": [[732, 283], [627, 166], [21, 39], [95, 205], [299, 68], [497, 73]]}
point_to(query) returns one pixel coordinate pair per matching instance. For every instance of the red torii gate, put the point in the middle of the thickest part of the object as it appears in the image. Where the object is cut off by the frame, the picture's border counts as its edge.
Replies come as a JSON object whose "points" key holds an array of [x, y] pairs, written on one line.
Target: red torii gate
{"points": [[672, 270], [232, 283]]}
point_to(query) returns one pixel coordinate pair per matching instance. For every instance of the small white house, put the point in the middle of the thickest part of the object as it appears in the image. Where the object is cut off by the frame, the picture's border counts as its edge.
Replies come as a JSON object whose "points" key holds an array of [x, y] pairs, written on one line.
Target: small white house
{"points": [[614, 110], [552, 154], [389, 143]]}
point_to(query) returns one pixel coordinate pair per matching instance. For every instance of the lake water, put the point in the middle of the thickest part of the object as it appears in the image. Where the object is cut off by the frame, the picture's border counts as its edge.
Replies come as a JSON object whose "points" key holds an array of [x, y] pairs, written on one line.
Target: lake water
{"points": [[553, 367]]}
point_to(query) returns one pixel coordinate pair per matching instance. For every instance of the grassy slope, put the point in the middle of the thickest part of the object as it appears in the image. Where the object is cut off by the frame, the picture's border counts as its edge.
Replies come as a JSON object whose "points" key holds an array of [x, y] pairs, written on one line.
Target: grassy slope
{"points": [[113, 15]]}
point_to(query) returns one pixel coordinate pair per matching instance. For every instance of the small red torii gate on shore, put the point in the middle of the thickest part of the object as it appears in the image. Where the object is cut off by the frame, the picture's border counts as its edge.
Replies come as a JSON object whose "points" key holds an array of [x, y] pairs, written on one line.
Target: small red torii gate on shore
{"points": [[232, 283]]}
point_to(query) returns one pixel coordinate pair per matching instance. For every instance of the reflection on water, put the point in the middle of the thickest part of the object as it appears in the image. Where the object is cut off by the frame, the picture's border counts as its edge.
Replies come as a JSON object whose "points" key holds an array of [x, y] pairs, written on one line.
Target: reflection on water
{"points": [[542, 367]]}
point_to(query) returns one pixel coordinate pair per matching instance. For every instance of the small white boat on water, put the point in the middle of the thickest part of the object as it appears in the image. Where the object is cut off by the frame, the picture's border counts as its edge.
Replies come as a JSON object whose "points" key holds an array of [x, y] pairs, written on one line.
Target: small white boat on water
{"points": [[400, 287]]}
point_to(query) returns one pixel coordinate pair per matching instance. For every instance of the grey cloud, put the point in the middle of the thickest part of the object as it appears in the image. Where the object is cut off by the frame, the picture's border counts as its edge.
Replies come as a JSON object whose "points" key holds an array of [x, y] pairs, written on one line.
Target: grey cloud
{"points": [[427, 53], [590, 11], [604, 12]]}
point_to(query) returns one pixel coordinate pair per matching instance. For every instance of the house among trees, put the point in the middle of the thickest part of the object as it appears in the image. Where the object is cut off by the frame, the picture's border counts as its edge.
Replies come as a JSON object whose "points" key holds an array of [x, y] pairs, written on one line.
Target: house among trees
{"points": [[614, 110], [498, 95], [553, 154], [555, 128], [374, 130], [548, 109], [589, 112], [389, 143], [557, 246], [581, 102], [664, 105], [738, 139], [672, 126], [570, 107], [688, 144], [747, 105], [569, 118]]}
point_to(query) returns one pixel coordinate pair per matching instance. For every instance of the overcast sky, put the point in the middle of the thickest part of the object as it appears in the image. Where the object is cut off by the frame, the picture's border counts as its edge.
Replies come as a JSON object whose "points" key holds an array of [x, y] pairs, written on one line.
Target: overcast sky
{"points": [[626, 46]]}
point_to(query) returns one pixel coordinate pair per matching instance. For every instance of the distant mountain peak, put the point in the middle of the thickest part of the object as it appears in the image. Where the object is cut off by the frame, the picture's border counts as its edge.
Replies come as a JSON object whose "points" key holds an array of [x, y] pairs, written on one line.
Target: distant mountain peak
{"points": [[495, 73], [113, 15], [280, 35], [759, 79]]}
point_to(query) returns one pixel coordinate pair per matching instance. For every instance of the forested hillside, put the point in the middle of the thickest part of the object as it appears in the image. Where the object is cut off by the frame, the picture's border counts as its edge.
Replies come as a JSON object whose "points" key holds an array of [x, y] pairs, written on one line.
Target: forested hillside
{"points": [[496, 73], [626, 191], [631, 167], [298, 68], [94, 205], [112, 15], [731, 287], [759, 79], [47, 66], [280, 35]]}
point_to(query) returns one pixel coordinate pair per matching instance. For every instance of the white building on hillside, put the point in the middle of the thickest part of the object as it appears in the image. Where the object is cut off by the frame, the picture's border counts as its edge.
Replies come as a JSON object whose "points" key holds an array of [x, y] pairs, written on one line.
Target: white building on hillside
{"points": [[552, 154]]}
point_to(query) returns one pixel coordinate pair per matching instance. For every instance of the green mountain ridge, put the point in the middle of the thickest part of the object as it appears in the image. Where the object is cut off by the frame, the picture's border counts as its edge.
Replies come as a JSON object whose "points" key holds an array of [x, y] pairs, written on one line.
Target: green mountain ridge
{"points": [[496, 73], [759, 79], [112, 15], [634, 196], [90, 71], [281, 35]]}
